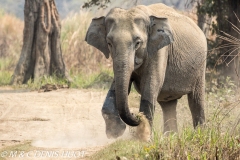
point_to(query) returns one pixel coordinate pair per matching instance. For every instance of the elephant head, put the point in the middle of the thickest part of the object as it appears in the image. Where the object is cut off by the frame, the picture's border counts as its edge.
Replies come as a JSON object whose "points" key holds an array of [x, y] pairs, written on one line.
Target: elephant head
{"points": [[130, 38]]}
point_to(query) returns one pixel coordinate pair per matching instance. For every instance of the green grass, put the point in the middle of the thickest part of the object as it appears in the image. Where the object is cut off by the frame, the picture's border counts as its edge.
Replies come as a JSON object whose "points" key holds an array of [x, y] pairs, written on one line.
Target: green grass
{"points": [[98, 80], [121, 148], [202, 143], [5, 78], [24, 147]]}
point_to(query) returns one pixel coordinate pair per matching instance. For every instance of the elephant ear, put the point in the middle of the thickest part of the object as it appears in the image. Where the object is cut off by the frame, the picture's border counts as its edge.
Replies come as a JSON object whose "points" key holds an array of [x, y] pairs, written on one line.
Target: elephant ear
{"points": [[160, 34], [96, 35]]}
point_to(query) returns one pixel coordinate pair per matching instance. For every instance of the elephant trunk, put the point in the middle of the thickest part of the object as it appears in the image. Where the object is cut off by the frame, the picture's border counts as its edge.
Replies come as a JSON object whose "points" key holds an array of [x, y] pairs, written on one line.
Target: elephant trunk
{"points": [[122, 74]]}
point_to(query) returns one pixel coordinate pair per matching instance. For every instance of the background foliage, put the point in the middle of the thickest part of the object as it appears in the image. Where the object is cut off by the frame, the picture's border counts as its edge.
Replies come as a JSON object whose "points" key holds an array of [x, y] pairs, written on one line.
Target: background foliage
{"points": [[72, 6]]}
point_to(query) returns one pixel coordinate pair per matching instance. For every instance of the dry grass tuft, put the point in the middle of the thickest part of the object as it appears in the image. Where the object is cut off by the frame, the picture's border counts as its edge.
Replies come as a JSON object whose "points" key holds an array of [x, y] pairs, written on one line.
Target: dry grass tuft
{"points": [[11, 31], [10, 41], [78, 55], [143, 130]]}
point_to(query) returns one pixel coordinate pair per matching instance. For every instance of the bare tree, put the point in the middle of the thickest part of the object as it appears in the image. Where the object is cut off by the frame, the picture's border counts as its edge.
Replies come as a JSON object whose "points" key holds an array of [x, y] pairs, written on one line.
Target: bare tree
{"points": [[41, 51], [204, 21]]}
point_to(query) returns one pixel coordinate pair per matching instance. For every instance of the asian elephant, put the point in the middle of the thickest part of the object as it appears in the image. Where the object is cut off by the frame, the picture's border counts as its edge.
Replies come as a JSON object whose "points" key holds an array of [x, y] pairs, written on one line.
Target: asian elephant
{"points": [[160, 51]]}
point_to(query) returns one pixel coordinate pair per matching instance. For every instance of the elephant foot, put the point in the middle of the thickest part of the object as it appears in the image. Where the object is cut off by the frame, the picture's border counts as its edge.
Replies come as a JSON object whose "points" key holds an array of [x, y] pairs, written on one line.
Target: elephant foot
{"points": [[115, 127]]}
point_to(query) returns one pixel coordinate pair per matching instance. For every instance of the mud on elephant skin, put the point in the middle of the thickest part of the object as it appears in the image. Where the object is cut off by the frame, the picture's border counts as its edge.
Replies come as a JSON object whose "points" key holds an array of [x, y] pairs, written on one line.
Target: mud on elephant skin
{"points": [[160, 51]]}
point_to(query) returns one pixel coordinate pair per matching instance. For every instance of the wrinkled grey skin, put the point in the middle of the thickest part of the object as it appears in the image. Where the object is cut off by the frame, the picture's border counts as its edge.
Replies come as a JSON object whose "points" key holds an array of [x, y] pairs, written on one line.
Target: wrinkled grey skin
{"points": [[161, 52]]}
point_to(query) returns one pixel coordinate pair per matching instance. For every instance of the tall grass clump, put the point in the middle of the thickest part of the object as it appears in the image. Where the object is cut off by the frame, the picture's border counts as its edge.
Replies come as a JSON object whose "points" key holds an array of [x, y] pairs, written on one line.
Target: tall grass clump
{"points": [[11, 31], [80, 57]]}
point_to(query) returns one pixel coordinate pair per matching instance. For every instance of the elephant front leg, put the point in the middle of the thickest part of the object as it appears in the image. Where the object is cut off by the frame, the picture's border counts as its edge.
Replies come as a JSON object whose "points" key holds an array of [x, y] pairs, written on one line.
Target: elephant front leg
{"points": [[115, 127], [151, 83]]}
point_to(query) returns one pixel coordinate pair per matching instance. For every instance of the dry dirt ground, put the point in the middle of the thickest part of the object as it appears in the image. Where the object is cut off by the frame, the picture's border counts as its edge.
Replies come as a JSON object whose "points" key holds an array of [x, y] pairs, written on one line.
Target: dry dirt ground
{"points": [[66, 123]]}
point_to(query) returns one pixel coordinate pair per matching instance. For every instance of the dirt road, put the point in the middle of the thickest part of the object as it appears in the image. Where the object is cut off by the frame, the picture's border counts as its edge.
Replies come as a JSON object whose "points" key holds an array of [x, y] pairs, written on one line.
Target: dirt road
{"points": [[62, 120]]}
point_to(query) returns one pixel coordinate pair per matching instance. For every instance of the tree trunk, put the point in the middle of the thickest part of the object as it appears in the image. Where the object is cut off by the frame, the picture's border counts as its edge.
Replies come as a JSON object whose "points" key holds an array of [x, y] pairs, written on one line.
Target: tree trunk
{"points": [[41, 52], [204, 21]]}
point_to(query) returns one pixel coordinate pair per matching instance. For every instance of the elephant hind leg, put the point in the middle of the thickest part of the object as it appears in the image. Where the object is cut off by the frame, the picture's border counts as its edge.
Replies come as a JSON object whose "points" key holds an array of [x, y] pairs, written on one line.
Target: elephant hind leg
{"points": [[169, 116], [196, 103]]}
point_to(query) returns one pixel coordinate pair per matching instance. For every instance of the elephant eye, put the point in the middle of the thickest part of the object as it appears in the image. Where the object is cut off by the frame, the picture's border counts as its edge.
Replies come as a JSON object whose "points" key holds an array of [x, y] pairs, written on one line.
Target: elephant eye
{"points": [[109, 45], [137, 45]]}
